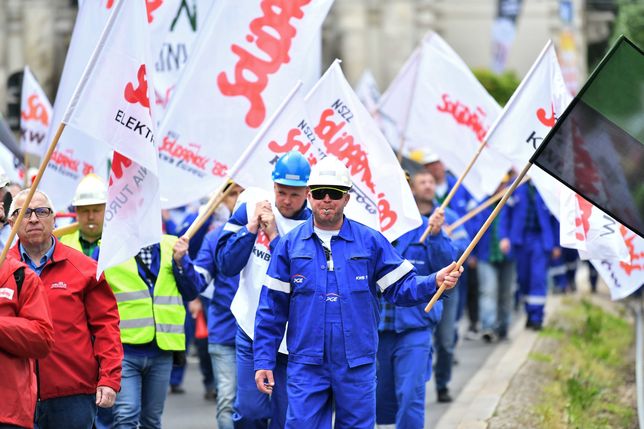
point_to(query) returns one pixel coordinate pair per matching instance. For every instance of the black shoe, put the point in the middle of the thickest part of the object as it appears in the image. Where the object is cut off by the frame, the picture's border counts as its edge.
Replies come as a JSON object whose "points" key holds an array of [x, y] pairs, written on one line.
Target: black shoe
{"points": [[536, 326], [210, 395], [177, 389], [444, 396], [489, 336]]}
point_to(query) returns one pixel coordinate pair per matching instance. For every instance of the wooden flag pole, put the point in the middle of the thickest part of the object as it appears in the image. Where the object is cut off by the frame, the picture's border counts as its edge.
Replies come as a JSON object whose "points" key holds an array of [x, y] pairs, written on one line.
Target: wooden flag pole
{"points": [[452, 192], [67, 229], [400, 149], [478, 209], [482, 231], [213, 203], [32, 190]]}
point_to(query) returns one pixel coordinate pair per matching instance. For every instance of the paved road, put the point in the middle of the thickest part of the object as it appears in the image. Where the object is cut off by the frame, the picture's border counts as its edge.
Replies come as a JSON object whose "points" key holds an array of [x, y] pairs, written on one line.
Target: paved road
{"points": [[191, 411]]}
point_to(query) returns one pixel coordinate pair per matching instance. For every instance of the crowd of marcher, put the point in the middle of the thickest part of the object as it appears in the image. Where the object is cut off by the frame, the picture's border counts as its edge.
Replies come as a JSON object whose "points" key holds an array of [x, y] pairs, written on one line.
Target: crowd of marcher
{"points": [[311, 316]]}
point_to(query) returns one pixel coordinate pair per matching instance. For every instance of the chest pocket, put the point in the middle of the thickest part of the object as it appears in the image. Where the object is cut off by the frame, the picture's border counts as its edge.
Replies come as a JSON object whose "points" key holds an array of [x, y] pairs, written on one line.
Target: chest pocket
{"points": [[302, 275], [358, 271]]}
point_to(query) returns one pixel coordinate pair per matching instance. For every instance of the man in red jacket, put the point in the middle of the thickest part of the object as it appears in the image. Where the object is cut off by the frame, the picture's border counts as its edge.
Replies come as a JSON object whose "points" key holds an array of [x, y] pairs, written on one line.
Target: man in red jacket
{"points": [[83, 369], [26, 334]]}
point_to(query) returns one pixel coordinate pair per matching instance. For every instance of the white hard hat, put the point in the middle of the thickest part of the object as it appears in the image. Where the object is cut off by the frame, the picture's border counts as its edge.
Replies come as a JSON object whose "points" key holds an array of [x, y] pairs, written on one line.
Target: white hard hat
{"points": [[91, 190], [330, 171], [424, 156]]}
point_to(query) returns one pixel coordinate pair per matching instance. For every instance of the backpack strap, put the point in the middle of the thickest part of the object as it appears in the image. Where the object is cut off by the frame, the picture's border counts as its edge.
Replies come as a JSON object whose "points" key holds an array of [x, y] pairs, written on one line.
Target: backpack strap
{"points": [[19, 277]]}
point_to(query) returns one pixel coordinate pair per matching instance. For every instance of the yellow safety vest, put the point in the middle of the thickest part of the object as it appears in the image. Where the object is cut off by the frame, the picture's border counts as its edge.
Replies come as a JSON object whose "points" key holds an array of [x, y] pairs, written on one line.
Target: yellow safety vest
{"points": [[72, 240], [144, 317]]}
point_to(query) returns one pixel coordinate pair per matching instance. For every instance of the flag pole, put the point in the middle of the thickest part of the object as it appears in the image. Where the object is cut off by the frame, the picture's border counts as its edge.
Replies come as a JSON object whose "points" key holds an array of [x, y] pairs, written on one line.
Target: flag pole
{"points": [[32, 190], [67, 229], [214, 202], [220, 194], [478, 209], [452, 191], [482, 231]]}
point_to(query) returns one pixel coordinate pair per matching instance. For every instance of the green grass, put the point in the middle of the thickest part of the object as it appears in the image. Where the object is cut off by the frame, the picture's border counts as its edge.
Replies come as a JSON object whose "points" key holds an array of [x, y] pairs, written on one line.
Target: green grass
{"points": [[590, 365]]}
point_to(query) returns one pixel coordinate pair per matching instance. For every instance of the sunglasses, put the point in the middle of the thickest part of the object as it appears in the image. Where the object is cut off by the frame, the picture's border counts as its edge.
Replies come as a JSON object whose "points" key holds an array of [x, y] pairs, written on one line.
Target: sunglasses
{"points": [[333, 193], [41, 212]]}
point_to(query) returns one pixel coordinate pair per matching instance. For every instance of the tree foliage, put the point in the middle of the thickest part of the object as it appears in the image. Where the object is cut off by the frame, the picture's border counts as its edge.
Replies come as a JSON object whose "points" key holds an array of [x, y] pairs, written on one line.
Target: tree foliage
{"points": [[500, 86], [630, 22]]}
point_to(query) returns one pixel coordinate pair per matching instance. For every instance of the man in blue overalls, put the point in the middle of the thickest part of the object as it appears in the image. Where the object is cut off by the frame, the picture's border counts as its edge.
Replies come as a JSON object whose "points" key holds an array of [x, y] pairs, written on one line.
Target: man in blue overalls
{"points": [[534, 236], [325, 279], [245, 248]]}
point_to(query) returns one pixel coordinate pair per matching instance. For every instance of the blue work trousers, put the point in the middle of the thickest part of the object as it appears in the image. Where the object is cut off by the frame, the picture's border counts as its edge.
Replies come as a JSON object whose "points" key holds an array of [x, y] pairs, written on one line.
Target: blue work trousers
{"points": [[253, 409], [314, 391], [532, 274], [404, 365]]}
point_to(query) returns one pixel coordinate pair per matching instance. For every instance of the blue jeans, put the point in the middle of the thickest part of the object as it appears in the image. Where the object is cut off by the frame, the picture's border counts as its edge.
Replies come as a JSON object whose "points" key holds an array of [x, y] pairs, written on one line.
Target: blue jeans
{"points": [[69, 412], [445, 339], [225, 374], [144, 386], [496, 284], [253, 408]]}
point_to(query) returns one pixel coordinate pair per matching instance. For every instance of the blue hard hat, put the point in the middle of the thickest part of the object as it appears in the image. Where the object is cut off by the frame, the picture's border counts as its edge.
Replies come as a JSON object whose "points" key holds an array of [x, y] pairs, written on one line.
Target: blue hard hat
{"points": [[292, 169]]}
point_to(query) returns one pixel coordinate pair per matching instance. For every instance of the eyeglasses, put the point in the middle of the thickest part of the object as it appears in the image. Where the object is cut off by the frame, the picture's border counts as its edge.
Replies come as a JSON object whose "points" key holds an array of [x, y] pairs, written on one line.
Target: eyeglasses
{"points": [[333, 193], [41, 212]]}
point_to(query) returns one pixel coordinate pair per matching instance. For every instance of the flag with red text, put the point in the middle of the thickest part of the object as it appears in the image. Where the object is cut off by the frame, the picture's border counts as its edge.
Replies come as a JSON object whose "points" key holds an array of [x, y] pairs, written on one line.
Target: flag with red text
{"points": [[35, 116], [527, 118], [450, 113], [624, 277], [341, 126], [118, 74], [221, 101], [586, 228], [532, 110], [77, 154]]}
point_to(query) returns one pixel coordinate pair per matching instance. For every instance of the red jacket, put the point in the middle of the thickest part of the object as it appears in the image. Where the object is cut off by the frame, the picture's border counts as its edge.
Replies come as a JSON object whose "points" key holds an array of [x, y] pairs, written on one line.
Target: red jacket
{"points": [[26, 334], [87, 341]]}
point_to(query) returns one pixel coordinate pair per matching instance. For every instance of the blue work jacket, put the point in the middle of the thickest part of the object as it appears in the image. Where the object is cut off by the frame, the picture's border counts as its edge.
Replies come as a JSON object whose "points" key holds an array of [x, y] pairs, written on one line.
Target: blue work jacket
{"points": [[366, 266], [221, 322], [428, 257], [236, 243], [547, 222]]}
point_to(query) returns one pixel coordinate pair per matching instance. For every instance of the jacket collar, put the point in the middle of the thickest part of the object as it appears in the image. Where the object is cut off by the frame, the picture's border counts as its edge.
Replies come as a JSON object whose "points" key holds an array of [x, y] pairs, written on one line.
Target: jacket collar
{"points": [[346, 232], [61, 252]]}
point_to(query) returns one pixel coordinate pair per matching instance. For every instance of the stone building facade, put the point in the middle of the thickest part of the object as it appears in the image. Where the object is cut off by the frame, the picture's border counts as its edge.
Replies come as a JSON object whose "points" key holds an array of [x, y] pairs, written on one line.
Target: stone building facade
{"points": [[374, 34]]}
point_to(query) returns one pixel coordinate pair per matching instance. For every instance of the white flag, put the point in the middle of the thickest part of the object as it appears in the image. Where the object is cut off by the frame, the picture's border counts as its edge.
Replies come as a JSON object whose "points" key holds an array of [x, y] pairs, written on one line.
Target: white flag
{"points": [[532, 110], [588, 229], [624, 278], [117, 75], [178, 36], [395, 103], [380, 197], [76, 155], [450, 114], [35, 116], [221, 100]]}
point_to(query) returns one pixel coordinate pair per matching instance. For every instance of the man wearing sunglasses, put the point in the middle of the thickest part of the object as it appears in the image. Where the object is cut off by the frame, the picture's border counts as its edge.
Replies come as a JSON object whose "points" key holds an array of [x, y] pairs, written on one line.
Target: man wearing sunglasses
{"points": [[83, 370], [325, 279], [245, 247]]}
